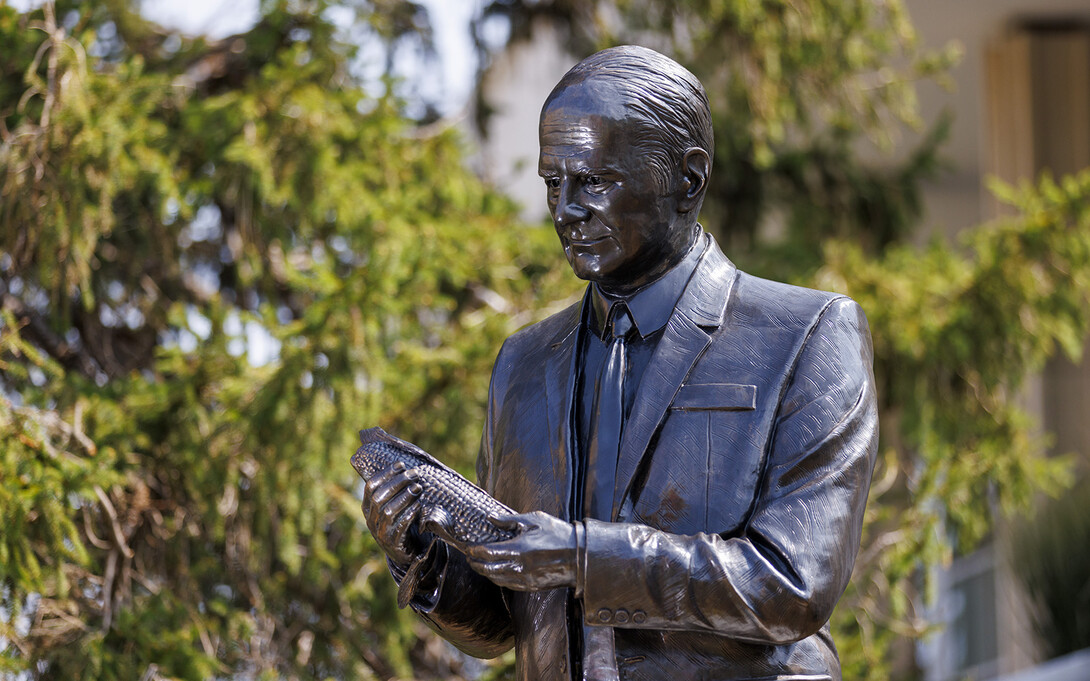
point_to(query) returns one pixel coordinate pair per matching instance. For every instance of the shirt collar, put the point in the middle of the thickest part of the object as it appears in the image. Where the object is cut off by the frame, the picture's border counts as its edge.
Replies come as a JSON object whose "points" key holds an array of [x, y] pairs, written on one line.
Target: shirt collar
{"points": [[652, 305]]}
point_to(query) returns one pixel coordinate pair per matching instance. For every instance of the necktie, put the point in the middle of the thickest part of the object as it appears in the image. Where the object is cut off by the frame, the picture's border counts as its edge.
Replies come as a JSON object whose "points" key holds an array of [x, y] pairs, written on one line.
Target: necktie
{"points": [[608, 419], [599, 647]]}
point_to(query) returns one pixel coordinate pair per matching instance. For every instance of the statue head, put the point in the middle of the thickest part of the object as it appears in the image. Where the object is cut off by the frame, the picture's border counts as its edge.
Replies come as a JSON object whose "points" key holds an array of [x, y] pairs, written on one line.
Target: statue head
{"points": [[626, 146]]}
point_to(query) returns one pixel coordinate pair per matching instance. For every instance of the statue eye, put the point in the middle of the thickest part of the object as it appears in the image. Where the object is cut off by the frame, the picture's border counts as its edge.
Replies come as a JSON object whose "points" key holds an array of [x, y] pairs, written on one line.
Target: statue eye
{"points": [[552, 182], [595, 180]]}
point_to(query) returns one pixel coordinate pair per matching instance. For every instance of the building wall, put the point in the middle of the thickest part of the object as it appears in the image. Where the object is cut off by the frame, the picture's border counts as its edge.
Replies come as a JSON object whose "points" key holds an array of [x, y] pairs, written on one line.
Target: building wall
{"points": [[1022, 106], [958, 198], [515, 87]]}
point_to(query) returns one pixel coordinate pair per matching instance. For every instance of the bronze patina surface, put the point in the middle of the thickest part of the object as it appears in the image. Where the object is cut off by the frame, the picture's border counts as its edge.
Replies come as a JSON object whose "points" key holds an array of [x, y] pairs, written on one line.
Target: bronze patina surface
{"points": [[688, 449]]}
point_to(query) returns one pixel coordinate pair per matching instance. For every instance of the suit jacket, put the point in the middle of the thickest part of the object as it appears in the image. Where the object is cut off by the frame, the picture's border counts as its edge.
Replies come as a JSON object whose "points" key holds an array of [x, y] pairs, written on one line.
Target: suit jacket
{"points": [[743, 474]]}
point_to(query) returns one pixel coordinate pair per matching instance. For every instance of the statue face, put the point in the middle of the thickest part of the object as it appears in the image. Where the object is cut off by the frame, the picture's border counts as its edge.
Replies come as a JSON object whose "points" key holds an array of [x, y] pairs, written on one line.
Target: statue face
{"points": [[617, 227]]}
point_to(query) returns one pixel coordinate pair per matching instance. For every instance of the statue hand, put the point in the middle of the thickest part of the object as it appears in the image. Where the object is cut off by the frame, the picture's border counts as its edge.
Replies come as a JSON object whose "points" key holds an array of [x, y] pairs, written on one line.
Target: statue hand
{"points": [[391, 509], [541, 556]]}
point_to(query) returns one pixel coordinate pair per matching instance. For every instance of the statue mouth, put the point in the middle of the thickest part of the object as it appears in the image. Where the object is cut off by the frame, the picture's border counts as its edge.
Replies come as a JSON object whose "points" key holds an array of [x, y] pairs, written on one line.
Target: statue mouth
{"points": [[580, 238], [588, 242]]}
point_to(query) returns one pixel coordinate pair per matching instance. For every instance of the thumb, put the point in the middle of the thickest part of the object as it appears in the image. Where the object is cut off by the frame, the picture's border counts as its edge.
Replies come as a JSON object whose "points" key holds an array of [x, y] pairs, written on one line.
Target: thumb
{"points": [[511, 523]]}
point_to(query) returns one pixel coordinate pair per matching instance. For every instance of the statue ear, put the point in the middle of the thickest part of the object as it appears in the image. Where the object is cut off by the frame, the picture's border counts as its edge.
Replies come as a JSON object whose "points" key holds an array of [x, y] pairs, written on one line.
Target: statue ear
{"points": [[696, 166]]}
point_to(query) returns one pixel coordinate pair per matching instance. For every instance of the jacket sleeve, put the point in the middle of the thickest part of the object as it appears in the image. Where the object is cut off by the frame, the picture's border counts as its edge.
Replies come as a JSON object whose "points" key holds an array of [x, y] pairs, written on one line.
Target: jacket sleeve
{"points": [[457, 603], [779, 579]]}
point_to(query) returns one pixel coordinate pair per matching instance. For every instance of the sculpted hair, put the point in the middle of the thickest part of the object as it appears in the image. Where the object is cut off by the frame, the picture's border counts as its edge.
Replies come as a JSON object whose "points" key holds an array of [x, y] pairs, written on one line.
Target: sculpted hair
{"points": [[667, 101]]}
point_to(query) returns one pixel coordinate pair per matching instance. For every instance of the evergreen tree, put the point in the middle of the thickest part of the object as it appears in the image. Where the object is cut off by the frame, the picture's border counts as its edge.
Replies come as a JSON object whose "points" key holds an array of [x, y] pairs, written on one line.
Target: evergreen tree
{"points": [[219, 260]]}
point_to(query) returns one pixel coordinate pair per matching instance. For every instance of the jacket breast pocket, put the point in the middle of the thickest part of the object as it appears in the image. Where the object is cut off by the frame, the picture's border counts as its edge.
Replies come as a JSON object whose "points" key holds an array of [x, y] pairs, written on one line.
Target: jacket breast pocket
{"points": [[715, 397], [702, 474]]}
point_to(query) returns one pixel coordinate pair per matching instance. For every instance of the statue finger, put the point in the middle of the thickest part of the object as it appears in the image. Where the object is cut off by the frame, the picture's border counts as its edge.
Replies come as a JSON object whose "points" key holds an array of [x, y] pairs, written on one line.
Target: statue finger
{"points": [[507, 574], [402, 501], [389, 485], [390, 525], [511, 523], [386, 503], [487, 567], [479, 554], [370, 485], [400, 532], [403, 511], [380, 479], [494, 552]]}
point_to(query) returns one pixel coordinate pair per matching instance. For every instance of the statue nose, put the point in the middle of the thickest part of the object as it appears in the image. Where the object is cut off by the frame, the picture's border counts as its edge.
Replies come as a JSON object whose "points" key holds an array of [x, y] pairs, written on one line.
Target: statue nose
{"points": [[568, 208]]}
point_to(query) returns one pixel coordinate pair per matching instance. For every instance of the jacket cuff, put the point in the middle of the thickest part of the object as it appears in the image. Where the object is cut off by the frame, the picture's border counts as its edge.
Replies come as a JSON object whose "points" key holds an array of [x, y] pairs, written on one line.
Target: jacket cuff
{"points": [[580, 557], [614, 578]]}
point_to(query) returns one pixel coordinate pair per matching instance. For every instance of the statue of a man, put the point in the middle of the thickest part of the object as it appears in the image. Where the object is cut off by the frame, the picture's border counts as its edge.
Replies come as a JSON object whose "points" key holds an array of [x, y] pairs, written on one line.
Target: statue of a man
{"points": [[689, 447]]}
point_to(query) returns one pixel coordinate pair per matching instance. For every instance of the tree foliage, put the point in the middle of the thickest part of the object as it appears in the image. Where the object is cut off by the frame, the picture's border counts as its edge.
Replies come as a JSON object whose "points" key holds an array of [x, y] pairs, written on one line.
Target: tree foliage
{"points": [[799, 90], [955, 335], [219, 260]]}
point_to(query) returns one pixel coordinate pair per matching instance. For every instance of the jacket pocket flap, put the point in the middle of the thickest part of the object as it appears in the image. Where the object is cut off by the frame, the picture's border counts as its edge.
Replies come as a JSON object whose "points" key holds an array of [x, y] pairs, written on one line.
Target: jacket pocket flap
{"points": [[716, 396]]}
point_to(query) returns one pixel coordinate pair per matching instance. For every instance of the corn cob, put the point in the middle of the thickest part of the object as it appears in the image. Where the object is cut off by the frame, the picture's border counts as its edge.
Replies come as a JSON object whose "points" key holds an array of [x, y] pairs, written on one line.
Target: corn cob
{"points": [[454, 509]]}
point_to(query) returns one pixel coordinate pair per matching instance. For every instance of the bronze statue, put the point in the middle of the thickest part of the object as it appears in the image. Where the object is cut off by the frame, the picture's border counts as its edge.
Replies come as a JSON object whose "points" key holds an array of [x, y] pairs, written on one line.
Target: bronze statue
{"points": [[689, 448]]}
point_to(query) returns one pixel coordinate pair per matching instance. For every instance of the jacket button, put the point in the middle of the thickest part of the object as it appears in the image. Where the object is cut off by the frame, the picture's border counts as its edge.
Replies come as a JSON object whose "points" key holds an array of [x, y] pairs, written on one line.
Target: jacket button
{"points": [[605, 615], [639, 617], [621, 616]]}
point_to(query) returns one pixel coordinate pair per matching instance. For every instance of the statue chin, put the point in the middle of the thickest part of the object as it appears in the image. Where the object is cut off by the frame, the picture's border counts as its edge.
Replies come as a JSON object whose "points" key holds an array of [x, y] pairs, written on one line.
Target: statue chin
{"points": [[586, 266]]}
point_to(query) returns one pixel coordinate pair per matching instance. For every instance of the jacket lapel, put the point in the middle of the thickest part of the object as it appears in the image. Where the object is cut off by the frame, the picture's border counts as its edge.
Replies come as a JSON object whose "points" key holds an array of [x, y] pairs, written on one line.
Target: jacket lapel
{"points": [[683, 342], [560, 372]]}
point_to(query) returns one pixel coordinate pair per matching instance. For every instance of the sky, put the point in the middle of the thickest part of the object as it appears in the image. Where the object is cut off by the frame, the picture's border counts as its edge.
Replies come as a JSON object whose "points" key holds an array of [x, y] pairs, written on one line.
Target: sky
{"points": [[215, 18], [220, 18]]}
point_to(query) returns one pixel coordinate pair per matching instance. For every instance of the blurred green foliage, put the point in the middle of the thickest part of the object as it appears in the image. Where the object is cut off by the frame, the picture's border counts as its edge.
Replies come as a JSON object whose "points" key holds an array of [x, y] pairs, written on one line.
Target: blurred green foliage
{"points": [[218, 259], [956, 331]]}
